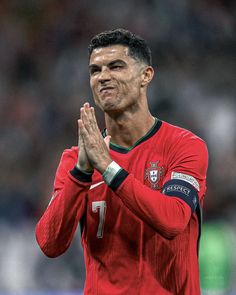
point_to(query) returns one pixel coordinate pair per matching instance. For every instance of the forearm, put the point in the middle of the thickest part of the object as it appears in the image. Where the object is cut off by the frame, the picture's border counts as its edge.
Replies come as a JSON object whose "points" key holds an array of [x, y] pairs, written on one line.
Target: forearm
{"points": [[167, 215], [56, 228]]}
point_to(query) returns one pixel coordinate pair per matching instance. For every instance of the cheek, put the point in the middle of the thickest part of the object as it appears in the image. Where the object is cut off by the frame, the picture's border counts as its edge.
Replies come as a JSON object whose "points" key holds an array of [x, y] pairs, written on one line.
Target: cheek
{"points": [[91, 84], [133, 80], [131, 85], [93, 87]]}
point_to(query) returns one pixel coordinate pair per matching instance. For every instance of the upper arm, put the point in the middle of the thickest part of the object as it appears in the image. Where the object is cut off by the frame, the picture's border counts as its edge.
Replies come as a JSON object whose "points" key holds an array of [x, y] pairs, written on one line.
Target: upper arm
{"points": [[187, 169]]}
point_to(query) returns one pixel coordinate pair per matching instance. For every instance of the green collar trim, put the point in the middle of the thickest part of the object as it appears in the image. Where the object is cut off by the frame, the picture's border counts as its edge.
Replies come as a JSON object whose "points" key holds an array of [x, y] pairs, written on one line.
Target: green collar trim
{"points": [[125, 150]]}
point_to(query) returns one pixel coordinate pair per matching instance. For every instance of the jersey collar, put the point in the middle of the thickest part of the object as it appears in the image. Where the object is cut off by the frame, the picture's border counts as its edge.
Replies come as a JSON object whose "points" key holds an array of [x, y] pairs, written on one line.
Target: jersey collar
{"points": [[125, 150]]}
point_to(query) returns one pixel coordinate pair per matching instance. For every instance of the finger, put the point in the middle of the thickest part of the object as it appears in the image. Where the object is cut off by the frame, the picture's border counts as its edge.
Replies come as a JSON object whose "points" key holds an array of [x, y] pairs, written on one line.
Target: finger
{"points": [[94, 115], [89, 118], [86, 105], [84, 112], [107, 140], [82, 129], [84, 116], [93, 120], [80, 139], [81, 113], [88, 111]]}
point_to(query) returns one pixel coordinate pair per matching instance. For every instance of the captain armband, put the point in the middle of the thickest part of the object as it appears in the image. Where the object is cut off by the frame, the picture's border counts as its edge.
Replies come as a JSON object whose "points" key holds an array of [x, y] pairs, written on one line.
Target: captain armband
{"points": [[114, 175], [183, 190]]}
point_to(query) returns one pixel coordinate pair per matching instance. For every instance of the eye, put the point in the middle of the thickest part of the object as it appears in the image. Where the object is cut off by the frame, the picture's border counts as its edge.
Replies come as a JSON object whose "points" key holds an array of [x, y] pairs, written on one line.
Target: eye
{"points": [[116, 67], [94, 71]]}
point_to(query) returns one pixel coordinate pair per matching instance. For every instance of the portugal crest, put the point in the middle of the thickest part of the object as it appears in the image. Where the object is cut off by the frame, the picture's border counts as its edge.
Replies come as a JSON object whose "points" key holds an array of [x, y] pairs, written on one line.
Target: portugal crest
{"points": [[154, 174]]}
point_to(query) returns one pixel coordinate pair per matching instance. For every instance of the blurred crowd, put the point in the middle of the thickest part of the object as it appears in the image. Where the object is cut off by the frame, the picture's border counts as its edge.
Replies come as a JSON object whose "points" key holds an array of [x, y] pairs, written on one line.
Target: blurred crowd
{"points": [[44, 80]]}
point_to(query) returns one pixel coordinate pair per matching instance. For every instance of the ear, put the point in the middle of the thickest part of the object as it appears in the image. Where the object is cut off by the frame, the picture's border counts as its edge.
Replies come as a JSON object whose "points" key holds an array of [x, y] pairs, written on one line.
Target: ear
{"points": [[147, 76]]}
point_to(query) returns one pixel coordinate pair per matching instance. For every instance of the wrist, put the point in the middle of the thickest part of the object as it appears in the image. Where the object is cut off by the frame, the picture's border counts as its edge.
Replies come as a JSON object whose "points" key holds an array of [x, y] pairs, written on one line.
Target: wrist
{"points": [[80, 175], [101, 166], [89, 170], [110, 172]]}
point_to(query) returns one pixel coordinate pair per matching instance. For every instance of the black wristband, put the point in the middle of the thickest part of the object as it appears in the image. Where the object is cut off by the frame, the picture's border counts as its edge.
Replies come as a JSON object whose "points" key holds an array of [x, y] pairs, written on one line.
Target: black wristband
{"points": [[81, 175], [118, 179]]}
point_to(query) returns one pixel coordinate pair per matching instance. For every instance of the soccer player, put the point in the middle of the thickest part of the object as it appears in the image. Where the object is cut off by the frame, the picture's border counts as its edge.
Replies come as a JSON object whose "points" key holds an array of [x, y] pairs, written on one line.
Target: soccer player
{"points": [[136, 189]]}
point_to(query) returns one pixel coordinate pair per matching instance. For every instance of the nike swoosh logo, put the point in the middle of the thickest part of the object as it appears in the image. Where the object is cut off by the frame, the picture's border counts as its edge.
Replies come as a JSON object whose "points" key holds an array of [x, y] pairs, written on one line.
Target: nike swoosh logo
{"points": [[96, 184]]}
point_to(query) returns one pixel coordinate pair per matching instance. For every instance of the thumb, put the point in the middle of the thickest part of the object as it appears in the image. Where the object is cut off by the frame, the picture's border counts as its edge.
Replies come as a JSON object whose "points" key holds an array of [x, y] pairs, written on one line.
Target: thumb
{"points": [[80, 139], [107, 141]]}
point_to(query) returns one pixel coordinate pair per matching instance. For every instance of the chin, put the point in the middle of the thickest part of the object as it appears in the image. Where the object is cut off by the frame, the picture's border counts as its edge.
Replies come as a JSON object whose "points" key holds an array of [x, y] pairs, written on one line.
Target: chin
{"points": [[108, 103], [108, 107]]}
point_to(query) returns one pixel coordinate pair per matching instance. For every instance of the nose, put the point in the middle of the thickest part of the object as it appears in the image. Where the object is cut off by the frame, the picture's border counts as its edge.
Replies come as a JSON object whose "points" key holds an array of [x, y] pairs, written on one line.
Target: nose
{"points": [[104, 75]]}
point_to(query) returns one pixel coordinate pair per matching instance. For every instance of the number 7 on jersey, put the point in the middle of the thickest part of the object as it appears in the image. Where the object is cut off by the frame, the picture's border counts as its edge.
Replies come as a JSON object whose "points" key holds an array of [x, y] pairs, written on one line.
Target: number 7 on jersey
{"points": [[100, 208]]}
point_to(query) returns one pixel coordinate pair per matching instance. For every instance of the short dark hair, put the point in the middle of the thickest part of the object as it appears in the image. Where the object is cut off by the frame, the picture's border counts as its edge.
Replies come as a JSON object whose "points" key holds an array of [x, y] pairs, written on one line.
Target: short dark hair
{"points": [[138, 49]]}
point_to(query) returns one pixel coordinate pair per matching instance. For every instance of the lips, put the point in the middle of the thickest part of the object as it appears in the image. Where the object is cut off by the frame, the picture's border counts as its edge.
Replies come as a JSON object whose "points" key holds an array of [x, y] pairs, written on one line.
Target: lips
{"points": [[106, 88]]}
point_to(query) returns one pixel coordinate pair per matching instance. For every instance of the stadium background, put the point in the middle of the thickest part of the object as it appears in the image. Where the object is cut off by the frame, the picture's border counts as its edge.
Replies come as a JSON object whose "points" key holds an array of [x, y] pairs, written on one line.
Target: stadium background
{"points": [[44, 81]]}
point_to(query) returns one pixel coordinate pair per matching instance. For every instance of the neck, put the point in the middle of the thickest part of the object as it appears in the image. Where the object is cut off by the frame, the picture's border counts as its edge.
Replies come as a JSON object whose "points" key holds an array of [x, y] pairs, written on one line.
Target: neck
{"points": [[127, 128]]}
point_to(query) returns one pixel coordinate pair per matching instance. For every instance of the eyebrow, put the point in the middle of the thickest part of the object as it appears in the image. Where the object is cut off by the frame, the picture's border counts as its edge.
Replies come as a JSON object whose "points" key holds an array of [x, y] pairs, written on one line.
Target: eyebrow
{"points": [[109, 64], [117, 61]]}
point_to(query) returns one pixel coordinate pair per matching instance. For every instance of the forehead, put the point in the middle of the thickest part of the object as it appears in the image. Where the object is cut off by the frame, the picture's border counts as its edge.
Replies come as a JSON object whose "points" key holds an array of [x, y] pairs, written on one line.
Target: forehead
{"points": [[103, 55]]}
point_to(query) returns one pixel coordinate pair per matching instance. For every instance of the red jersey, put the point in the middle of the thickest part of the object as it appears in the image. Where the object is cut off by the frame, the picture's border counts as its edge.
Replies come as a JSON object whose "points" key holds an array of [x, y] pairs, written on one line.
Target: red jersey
{"points": [[139, 234]]}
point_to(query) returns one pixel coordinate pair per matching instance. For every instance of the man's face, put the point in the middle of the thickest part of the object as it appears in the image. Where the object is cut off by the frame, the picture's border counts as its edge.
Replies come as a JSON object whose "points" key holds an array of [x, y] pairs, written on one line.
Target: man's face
{"points": [[115, 78]]}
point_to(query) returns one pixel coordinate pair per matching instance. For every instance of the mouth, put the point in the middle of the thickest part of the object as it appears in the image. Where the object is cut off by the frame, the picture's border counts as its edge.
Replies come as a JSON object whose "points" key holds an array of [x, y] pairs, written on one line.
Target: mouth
{"points": [[106, 89]]}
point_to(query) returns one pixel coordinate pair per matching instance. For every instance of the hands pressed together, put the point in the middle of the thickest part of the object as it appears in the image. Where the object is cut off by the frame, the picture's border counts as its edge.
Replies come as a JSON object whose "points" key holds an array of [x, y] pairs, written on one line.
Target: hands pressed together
{"points": [[93, 148]]}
